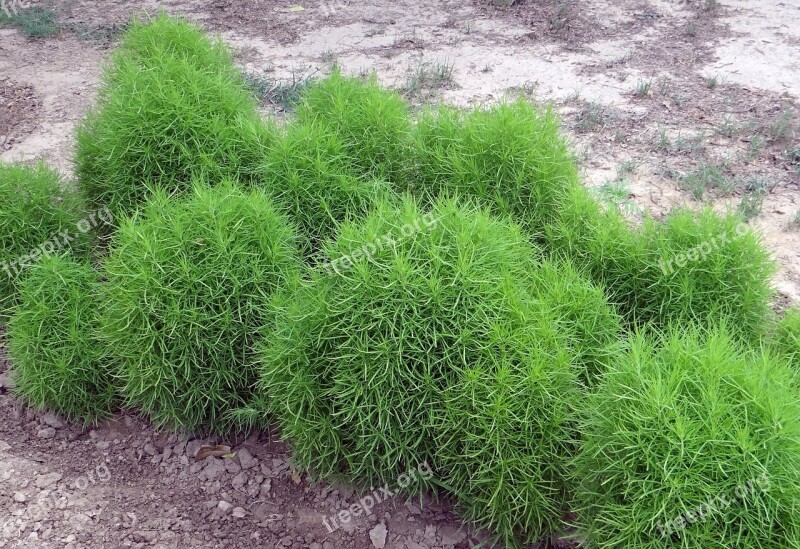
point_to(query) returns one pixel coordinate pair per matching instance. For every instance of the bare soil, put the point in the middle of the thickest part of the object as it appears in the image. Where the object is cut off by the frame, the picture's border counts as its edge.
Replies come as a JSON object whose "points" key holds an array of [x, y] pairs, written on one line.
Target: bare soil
{"points": [[667, 102]]}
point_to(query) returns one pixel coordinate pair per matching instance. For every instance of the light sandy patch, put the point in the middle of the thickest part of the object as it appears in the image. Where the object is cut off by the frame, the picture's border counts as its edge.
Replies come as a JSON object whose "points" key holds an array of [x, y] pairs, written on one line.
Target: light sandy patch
{"points": [[764, 49]]}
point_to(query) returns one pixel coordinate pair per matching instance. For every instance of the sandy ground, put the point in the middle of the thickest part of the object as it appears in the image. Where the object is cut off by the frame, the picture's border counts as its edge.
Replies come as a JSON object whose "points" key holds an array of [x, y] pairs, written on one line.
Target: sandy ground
{"points": [[667, 102]]}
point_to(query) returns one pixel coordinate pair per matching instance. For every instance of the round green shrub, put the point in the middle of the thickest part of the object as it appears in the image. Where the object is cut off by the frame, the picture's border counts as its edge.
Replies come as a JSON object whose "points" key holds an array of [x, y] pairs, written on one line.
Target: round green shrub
{"points": [[690, 267], [511, 157], [172, 108], [308, 173], [59, 360], [370, 366], [690, 441], [372, 124], [189, 286], [39, 216]]}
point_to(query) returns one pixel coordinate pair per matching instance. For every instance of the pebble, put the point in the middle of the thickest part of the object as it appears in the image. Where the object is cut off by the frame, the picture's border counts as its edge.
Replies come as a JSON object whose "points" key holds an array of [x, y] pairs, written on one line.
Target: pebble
{"points": [[378, 536], [246, 459], [45, 481], [266, 487], [52, 420], [239, 480], [46, 432], [224, 506], [19, 497], [239, 512]]}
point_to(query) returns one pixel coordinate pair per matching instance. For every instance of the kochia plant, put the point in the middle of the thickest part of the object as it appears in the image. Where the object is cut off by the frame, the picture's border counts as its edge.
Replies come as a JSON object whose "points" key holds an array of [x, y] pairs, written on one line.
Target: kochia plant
{"points": [[372, 124], [434, 337], [691, 441], [172, 108], [39, 215], [59, 360], [189, 285]]}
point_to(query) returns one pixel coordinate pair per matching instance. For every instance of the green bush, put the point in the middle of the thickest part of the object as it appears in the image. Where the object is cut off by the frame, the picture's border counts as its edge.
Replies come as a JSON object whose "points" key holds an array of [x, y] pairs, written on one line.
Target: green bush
{"points": [[59, 360], [189, 285], [511, 157], [172, 108], [372, 124], [371, 367], [39, 216], [786, 340], [307, 171], [691, 441], [692, 267]]}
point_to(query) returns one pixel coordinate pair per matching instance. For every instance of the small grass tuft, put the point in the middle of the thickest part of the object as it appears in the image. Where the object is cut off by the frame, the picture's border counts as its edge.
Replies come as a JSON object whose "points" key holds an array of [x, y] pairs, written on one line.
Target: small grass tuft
{"points": [[33, 21], [428, 77], [592, 116], [782, 125], [753, 198], [643, 88], [283, 94]]}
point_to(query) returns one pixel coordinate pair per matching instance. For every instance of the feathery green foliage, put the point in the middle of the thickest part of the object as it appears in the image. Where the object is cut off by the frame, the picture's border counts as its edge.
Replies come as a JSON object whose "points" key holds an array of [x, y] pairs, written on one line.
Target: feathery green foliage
{"points": [[189, 285], [591, 325], [691, 441], [786, 340], [59, 360], [511, 157], [172, 108], [35, 210], [308, 173], [506, 433], [372, 124], [690, 267], [426, 340]]}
